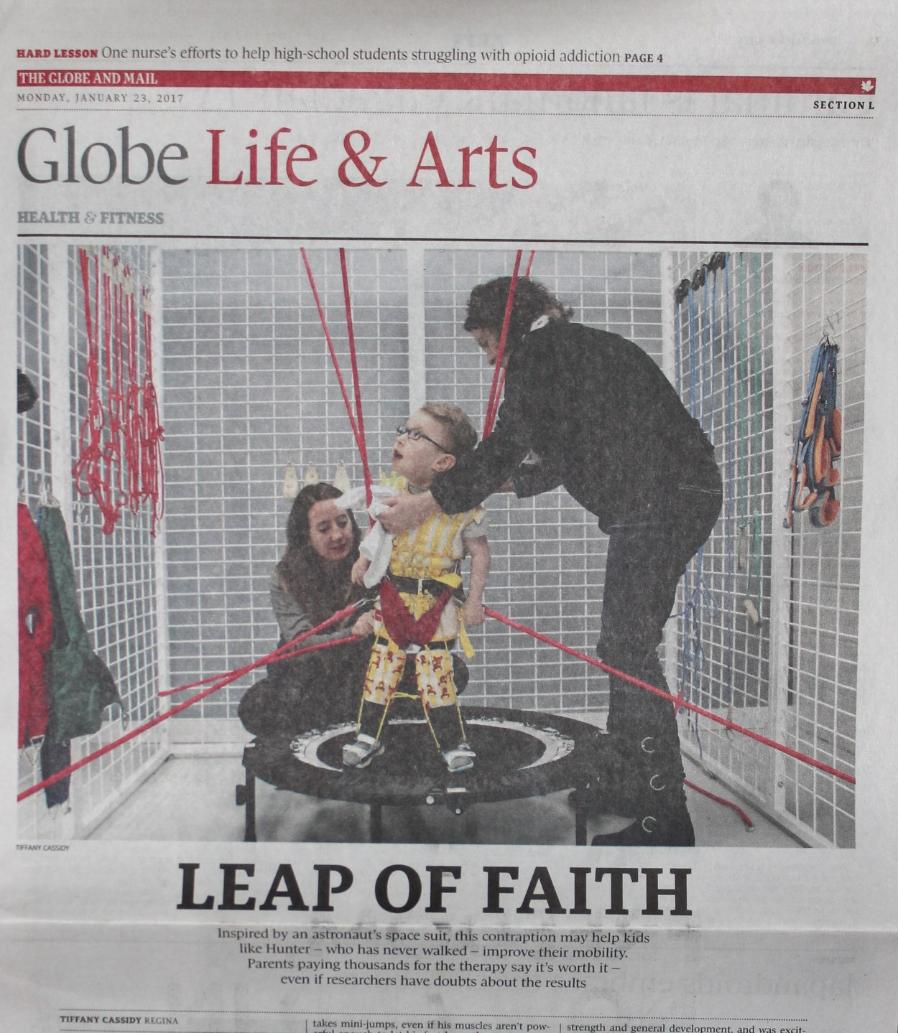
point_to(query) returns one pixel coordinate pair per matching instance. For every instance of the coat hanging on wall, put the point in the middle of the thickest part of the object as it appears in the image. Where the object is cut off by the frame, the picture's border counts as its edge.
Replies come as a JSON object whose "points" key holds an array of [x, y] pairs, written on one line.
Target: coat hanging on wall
{"points": [[35, 630], [80, 685]]}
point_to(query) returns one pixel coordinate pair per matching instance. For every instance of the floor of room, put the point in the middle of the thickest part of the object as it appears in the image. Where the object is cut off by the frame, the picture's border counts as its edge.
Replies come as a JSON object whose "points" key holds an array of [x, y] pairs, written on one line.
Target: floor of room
{"points": [[193, 799]]}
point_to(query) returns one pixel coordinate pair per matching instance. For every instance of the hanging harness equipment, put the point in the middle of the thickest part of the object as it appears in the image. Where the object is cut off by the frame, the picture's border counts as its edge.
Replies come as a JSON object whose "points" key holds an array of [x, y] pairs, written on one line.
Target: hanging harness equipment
{"points": [[119, 459], [152, 433], [818, 443]]}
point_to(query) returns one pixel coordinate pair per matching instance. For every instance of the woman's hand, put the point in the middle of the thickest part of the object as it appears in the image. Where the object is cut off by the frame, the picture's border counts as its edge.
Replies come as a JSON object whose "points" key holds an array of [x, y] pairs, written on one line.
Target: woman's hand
{"points": [[404, 512], [359, 570], [364, 626]]}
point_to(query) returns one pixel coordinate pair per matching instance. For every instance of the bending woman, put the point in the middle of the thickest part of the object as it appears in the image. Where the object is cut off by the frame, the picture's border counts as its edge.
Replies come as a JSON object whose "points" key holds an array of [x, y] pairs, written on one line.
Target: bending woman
{"points": [[591, 411], [310, 583]]}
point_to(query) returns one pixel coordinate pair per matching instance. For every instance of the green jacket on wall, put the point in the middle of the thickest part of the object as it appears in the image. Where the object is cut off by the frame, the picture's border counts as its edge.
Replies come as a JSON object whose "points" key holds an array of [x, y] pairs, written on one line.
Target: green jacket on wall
{"points": [[79, 684]]}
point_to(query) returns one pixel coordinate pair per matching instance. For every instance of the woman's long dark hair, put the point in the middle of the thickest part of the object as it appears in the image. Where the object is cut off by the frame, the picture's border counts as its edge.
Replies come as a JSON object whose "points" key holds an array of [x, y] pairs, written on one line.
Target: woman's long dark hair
{"points": [[319, 586], [486, 306]]}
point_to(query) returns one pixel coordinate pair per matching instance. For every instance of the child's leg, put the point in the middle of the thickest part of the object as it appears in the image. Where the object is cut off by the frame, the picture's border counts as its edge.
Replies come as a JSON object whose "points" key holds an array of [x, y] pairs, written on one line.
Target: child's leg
{"points": [[385, 667], [436, 688]]}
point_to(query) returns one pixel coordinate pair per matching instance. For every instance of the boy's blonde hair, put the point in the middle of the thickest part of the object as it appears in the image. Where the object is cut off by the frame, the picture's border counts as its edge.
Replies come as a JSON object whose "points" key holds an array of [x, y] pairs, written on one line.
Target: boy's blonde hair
{"points": [[462, 437]]}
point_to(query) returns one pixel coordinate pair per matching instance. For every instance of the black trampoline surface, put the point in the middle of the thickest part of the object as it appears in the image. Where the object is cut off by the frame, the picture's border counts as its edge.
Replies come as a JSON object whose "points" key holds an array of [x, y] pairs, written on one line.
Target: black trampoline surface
{"points": [[519, 753]]}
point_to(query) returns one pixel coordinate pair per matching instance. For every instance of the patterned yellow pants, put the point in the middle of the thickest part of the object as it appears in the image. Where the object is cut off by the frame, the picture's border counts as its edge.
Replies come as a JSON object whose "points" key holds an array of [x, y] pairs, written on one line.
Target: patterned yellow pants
{"points": [[433, 674]]}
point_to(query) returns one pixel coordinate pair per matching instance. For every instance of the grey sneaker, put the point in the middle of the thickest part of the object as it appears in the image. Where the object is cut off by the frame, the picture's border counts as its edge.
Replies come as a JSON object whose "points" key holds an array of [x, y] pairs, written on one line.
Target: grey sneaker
{"points": [[361, 751], [460, 758]]}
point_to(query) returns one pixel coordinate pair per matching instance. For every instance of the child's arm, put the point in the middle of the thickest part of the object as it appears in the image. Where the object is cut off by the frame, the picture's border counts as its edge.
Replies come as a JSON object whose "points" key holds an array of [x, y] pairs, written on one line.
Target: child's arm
{"points": [[479, 550], [359, 569]]}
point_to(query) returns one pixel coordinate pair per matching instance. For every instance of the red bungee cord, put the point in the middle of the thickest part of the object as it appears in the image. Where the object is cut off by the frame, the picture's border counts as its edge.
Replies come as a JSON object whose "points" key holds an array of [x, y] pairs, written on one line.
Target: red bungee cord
{"points": [[492, 405], [639, 683], [353, 358], [220, 683], [723, 801], [284, 651], [275, 657], [330, 347], [501, 382], [357, 419]]}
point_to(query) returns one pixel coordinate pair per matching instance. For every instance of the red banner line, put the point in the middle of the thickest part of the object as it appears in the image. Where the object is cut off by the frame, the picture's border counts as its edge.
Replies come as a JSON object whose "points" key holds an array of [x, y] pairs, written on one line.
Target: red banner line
{"points": [[543, 82]]}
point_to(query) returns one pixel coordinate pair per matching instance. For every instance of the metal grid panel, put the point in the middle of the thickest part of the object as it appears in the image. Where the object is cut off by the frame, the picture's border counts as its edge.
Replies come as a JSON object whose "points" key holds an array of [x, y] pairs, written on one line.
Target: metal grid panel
{"points": [[249, 388], [826, 293], [117, 581], [723, 357], [33, 357], [728, 363], [548, 556], [35, 465]]}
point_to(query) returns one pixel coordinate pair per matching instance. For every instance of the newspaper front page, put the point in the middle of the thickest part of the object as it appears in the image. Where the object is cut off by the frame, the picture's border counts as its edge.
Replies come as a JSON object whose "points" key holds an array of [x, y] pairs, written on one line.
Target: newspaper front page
{"points": [[241, 245]]}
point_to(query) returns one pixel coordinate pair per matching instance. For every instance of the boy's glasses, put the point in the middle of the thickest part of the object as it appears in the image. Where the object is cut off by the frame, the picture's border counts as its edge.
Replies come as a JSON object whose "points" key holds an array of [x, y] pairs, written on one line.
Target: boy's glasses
{"points": [[413, 434]]}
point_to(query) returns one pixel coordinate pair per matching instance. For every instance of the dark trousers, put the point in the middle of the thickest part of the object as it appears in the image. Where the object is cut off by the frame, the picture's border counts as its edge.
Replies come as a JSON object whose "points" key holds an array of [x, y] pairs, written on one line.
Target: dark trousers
{"points": [[311, 691], [643, 771]]}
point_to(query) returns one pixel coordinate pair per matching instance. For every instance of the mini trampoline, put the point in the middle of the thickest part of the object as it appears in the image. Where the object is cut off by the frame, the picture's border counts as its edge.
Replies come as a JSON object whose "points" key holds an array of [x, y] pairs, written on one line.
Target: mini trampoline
{"points": [[519, 754]]}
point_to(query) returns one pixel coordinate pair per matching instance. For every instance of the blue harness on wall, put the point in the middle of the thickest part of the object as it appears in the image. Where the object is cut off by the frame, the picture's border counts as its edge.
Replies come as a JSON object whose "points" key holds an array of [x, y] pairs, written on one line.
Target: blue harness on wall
{"points": [[818, 443]]}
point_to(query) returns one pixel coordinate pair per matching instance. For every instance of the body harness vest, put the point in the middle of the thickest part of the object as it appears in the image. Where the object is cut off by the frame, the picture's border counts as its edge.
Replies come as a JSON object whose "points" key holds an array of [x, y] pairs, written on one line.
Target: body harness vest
{"points": [[818, 443]]}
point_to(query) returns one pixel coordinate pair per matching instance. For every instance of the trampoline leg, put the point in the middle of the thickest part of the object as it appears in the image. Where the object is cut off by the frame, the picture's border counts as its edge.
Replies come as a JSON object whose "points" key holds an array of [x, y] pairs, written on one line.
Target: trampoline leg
{"points": [[375, 823], [249, 834]]}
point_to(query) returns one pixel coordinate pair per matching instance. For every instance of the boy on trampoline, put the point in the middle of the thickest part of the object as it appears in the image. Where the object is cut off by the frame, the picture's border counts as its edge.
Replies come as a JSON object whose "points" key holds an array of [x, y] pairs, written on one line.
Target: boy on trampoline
{"points": [[421, 608]]}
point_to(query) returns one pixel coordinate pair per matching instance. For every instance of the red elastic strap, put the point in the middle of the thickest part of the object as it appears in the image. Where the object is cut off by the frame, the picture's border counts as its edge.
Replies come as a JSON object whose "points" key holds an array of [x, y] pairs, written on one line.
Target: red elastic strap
{"points": [[330, 347], [677, 700], [723, 801], [492, 405], [360, 420], [282, 652]]}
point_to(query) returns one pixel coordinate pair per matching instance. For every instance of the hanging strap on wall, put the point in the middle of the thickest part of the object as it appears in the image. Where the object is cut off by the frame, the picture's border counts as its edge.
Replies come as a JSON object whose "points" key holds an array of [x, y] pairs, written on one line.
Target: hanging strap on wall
{"points": [[152, 433], [818, 443], [119, 461], [87, 468]]}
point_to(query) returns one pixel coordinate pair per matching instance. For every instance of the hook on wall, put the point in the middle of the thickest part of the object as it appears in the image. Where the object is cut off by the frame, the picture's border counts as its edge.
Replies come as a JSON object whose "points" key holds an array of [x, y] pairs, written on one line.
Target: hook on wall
{"points": [[832, 326]]}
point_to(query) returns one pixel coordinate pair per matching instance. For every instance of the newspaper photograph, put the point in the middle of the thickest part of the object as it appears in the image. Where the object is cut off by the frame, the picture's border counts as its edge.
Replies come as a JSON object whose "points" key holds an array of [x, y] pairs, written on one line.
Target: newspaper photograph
{"points": [[450, 457]]}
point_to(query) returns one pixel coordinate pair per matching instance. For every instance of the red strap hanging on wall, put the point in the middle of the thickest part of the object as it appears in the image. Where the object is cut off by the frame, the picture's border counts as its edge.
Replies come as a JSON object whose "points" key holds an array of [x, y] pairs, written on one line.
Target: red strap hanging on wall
{"points": [[87, 468], [119, 459], [152, 433]]}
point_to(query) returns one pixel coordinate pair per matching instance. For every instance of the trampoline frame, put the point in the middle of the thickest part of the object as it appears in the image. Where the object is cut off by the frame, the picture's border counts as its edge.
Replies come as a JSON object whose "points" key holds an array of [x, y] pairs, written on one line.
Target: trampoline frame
{"points": [[567, 761]]}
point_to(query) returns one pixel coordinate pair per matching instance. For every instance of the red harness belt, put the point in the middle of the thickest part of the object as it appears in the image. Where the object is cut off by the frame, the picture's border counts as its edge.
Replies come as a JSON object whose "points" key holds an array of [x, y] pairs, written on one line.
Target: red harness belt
{"points": [[402, 627]]}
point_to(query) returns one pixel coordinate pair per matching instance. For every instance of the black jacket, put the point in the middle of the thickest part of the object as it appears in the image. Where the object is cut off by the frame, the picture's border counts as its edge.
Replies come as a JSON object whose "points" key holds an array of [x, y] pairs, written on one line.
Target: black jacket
{"points": [[603, 421]]}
